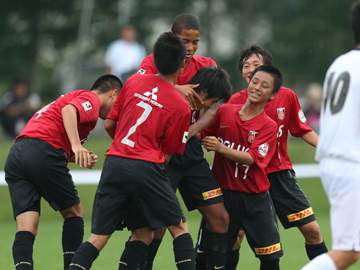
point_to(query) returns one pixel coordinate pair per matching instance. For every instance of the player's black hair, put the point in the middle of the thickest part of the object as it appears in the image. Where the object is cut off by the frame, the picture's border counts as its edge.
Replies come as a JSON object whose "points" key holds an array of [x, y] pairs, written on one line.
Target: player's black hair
{"points": [[215, 80], [355, 21], [274, 72], [185, 21], [257, 50], [106, 83], [169, 51]]}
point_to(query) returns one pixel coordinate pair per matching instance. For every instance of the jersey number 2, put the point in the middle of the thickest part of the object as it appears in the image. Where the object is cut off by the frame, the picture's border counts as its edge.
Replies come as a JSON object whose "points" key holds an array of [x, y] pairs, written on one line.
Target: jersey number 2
{"points": [[141, 120]]}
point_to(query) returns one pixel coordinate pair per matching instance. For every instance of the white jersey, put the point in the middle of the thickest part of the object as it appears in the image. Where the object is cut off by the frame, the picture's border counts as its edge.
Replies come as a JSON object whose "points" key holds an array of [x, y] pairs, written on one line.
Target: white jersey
{"points": [[340, 110]]}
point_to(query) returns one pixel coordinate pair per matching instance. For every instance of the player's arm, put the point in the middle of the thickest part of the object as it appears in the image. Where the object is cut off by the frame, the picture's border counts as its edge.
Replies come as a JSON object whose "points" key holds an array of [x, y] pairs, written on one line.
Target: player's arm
{"points": [[189, 94], [311, 138], [205, 120], [70, 116], [110, 127], [211, 143]]}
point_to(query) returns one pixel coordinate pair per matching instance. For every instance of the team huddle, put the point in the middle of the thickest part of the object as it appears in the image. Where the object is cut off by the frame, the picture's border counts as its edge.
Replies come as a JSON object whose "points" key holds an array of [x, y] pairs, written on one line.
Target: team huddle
{"points": [[158, 137]]}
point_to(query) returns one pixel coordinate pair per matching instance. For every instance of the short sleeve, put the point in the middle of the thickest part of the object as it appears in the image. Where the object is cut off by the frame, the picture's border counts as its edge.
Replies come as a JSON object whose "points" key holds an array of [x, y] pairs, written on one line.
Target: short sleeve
{"points": [[148, 66], [87, 104], [298, 126], [264, 146]]}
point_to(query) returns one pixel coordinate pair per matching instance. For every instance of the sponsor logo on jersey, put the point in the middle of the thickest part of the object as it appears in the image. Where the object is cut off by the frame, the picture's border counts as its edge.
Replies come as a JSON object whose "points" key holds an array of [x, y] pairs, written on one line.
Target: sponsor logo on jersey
{"points": [[148, 99], [252, 135], [231, 145], [212, 193], [280, 113], [302, 116], [152, 93], [185, 137], [263, 149], [302, 214], [141, 71], [86, 105], [268, 250]]}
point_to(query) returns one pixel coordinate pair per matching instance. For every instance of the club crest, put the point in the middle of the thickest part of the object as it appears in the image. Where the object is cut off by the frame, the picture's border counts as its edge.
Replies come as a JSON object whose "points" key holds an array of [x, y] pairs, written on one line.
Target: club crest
{"points": [[280, 113], [252, 136]]}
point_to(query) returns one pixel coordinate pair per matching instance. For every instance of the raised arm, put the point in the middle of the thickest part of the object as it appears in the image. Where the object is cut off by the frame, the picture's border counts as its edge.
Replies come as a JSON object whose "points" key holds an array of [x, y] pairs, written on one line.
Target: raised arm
{"points": [[189, 94], [205, 120]]}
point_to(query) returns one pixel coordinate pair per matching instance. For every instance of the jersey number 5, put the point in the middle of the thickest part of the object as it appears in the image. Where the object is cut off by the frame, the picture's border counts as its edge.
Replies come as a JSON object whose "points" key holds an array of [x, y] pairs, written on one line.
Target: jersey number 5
{"points": [[141, 120], [332, 92]]}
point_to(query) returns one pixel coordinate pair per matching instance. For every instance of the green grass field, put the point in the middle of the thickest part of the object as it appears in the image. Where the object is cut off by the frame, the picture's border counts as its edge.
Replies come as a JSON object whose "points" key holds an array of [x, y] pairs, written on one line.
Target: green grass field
{"points": [[48, 252]]}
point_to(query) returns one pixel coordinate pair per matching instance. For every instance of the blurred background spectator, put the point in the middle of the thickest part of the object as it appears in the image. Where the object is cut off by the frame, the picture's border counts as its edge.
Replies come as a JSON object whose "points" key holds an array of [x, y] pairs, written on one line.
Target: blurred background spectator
{"points": [[16, 108], [312, 112], [124, 55]]}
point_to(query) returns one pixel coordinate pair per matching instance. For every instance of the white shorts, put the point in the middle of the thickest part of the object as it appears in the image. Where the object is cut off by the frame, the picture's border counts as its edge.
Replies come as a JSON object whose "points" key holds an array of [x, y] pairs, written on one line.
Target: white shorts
{"points": [[341, 181]]}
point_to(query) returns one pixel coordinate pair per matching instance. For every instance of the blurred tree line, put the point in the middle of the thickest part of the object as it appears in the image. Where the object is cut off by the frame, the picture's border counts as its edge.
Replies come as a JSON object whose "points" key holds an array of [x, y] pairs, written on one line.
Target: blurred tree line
{"points": [[59, 46]]}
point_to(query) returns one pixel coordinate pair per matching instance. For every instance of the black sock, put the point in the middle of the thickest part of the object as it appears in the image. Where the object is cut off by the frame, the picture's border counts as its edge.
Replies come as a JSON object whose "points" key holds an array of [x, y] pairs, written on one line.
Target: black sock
{"points": [[315, 250], [72, 238], [270, 265], [132, 255], [215, 246], [200, 258], [151, 253], [233, 259], [22, 250], [184, 252], [84, 257]]}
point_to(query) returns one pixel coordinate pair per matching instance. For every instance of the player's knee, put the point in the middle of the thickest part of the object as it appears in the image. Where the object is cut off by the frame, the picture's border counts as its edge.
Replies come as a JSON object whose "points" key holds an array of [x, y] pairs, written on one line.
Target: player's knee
{"points": [[74, 211], [239, 240], [353, 257], [311, 232]]}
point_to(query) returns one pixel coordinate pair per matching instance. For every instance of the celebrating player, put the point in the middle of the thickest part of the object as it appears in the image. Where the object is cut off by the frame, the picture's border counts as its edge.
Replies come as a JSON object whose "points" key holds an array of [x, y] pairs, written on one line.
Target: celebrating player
{"points": [[191, 172], [339, 157], [37, 165], [244, 140], [149, 122]]}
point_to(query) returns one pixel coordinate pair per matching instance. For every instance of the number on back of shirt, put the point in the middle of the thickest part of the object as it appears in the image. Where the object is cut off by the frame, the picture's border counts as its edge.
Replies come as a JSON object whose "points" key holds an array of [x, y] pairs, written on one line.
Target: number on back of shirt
{"points": [[336, 93], [141, 120]]}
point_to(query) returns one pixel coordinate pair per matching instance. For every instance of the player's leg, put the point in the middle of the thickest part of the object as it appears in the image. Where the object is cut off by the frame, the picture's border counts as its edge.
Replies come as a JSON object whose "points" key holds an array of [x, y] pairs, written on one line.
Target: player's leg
{"points": [[260, 225], [25, 200], [183, 246], [135, 249], [234, 256], [153, 248], [72, 233], [215, 234], [294, 210]]}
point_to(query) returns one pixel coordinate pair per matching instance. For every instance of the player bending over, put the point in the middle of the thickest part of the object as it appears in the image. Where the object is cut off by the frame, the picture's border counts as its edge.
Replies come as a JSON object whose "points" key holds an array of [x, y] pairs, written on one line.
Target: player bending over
{"points": [[37, 165]]}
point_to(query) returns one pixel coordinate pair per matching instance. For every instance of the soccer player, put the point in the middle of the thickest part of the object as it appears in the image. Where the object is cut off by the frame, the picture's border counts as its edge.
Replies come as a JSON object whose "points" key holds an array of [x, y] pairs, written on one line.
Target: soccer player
{"points": [[37, 165], [339, 156], [291, 204], [190, 172], [149, 122], [244, 140]]}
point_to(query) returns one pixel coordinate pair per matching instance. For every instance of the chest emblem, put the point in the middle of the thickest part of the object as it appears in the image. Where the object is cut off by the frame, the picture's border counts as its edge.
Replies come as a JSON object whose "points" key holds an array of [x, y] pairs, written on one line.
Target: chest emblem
{"points": [[252, 135], [280, 113]]}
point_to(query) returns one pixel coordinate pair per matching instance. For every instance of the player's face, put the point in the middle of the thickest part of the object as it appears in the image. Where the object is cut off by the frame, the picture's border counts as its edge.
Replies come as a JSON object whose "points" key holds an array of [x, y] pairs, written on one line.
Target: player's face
{"points": [[260, 87], [191, 39], [250, 64]]}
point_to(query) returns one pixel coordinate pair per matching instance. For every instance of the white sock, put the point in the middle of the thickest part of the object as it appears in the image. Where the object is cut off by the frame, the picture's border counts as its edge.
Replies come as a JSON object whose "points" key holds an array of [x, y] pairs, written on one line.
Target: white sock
{"points": [[321, 262]]}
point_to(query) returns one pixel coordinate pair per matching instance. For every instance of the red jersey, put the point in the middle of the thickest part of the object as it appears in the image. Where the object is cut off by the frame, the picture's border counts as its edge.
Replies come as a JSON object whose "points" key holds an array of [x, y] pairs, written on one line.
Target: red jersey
{"points": [[256, 136], [196, 62], [152, 117], [48, 125], [285, 110]]}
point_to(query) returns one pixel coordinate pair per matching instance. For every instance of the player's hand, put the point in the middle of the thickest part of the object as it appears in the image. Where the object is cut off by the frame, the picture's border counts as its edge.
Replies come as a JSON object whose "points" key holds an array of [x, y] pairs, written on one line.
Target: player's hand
{"points": [[211, 143], [82, 156], [189, 94], [93, 160]]}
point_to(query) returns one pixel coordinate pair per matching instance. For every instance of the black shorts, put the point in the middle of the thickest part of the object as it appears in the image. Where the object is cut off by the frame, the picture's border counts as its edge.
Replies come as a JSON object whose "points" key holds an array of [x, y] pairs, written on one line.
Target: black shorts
{"points": [[196, 183], [255, 213], [137, 191], [291, 204], [35, 169]]}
